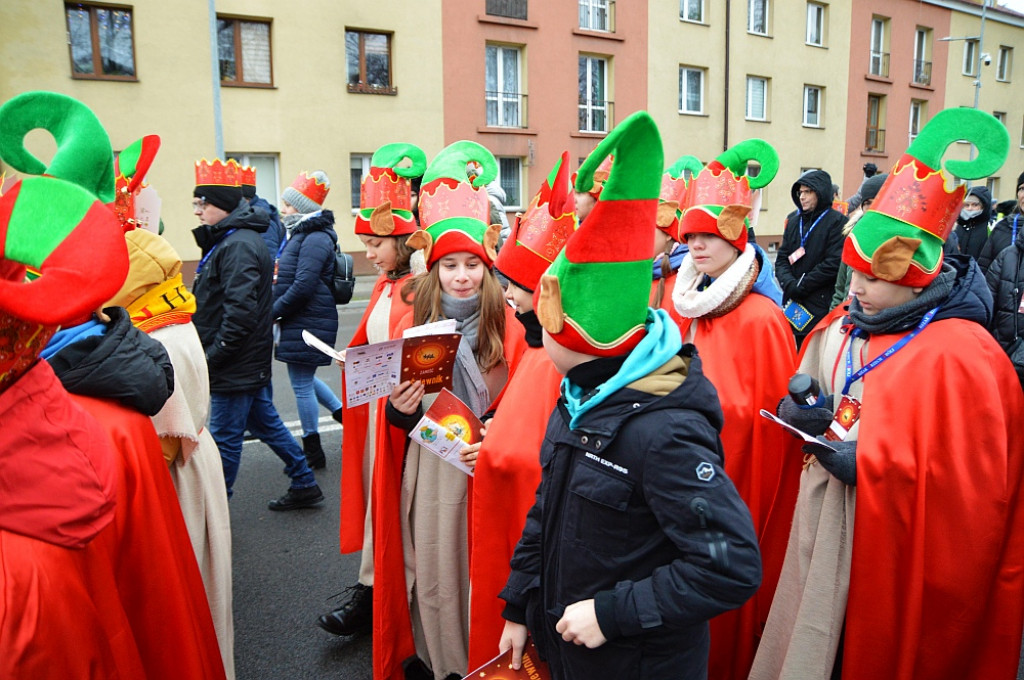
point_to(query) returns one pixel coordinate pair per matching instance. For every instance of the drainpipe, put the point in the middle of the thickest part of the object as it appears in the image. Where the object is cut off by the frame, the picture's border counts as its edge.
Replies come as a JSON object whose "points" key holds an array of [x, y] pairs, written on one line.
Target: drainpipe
{"points": [[725, 118], [218, 132]]}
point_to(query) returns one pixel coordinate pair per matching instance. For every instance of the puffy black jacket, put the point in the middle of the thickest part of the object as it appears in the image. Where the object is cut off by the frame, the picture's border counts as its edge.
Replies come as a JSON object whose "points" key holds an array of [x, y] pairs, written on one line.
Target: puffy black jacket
{"points": [[635, 511], [233, 300], [123, 364], [302, 294], [972, 234], [274, 235], [1001, 237], [1005, 279], [811, 280]]}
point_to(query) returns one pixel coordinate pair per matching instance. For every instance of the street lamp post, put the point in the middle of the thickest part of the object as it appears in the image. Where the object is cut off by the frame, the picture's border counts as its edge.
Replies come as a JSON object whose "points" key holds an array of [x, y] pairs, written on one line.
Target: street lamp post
{"points": [[978, 55]]}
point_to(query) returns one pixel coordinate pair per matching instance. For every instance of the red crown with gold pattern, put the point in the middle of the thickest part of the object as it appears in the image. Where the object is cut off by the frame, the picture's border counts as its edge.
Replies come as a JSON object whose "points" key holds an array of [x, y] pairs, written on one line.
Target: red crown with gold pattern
{"points": [[916, 194], [384, 184], [217, 173], [247, 176], [309, 187], [445, 198], [717, 185]]}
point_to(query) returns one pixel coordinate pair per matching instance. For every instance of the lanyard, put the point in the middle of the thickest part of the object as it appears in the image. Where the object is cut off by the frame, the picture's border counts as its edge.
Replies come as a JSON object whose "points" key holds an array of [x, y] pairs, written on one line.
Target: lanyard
{"points": [[280, 249], [1013, 239], [852, 377], [210, 251], [804, 237]]}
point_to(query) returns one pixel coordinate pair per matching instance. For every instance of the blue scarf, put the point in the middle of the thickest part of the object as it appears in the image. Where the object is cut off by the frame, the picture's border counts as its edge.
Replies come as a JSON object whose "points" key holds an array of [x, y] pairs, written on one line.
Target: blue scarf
{"points": [[69, 336]]}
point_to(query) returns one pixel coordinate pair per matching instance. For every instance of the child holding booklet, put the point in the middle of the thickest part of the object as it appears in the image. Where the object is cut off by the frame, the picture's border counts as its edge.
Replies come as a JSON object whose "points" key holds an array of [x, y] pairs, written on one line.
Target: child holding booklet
{"points": [[421, 603]]}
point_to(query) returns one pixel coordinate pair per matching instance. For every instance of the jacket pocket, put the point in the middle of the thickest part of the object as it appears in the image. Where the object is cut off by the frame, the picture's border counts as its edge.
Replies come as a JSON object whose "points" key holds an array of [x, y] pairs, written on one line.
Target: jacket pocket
{"points": [[599, 509]]}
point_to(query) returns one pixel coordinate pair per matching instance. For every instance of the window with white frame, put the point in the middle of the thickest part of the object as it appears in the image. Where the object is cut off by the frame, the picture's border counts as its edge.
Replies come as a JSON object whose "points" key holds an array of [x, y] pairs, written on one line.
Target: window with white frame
{"points": [[691, 89], [918, 115], [594, 107], [359, 167], [1004, 64], [813, 96], [267, 177], [878, 64], [691, 10], [922, 63], [510, 178], [506, 104], [757, 17], [970, 57], [992, 184], [757, 98], [595, 15], [815, 24]]}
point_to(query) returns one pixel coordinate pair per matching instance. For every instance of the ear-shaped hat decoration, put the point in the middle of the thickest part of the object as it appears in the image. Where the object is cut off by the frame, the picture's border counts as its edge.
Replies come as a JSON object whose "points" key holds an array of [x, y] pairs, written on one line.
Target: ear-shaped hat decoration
{"points": [[385, 199], [454, 209], [899, 239], [59, 224], [130, 168], [593, 297], [673, 192]]}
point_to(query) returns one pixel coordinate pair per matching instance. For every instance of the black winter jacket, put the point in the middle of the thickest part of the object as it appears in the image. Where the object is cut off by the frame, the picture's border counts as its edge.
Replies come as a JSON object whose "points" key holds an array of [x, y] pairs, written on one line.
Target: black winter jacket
{"points": [[811, 280], [274, 235], [1000, 238], [972, 234], [302, 294], [233, 300], [123, 364], [1006, 281], [634, 510]]}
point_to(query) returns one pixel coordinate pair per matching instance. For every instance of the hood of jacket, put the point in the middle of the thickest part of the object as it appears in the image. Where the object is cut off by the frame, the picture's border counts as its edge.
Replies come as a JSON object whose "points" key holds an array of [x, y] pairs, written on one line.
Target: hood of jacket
{"points": [[970, 298], [123, 364], [245, 216], [985, 196], [821, 182], [317, 221]]}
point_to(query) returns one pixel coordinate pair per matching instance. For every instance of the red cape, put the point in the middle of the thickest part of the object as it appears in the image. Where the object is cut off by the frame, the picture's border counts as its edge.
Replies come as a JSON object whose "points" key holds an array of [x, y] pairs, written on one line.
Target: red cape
{"points": [[392, 625], [749, 355], [504, 485], [936, 585], [356, 420]]}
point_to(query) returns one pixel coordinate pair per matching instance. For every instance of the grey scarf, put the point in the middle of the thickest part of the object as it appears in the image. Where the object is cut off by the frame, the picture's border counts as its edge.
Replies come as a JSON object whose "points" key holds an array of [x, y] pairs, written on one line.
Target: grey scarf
{"points": [[905, 316], [467, 382]]}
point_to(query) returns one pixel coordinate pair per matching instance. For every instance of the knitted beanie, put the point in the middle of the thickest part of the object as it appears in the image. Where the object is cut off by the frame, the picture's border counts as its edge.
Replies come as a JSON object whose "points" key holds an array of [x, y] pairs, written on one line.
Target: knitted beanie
{"points": [[308, 192], [151, 261], [385, 198], [869, 189], [899, 239], [130, 168], [593, 298], [217, 183], [673, 190], [1020, 181]]}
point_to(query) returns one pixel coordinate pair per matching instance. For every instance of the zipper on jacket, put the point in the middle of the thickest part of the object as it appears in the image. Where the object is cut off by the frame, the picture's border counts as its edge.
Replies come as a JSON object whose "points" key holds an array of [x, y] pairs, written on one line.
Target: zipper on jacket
{"points": [[718, 547]]}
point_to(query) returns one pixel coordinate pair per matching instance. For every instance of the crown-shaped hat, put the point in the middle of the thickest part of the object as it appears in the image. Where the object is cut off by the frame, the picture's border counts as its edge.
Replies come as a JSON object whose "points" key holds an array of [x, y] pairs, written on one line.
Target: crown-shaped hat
{"points": [[130, 168], [385, 199], [57, 223], [540, 234], [247, 175], [720, 196], [899, 239], [673, 190], [454, 209], [593, 298], [218, 173]]}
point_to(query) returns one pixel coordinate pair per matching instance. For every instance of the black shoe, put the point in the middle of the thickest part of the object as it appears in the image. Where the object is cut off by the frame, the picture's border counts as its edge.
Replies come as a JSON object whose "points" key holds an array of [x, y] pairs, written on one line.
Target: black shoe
{"points": [[337, 414], [417, 670], [298, 498], [315, 455], [355, 616]]}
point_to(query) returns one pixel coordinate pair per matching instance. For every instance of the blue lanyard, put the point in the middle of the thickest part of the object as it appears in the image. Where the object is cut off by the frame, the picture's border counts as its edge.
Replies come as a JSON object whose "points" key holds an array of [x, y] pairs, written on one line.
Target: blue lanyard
{"points": [[1013, 239], [852, 377], [210, 251], [280, 248], [803, 237]]}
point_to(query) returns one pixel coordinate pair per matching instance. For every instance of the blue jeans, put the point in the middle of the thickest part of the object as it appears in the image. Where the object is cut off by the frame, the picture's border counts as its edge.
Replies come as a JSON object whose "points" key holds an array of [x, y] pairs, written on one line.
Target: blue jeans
{"points": [[232, 413], [309, 392]]}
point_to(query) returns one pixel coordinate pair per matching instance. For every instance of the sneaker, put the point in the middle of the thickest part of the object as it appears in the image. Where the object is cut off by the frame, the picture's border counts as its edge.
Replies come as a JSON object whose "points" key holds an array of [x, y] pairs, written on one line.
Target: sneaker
{"points": [[298, 498], [355, 616]]}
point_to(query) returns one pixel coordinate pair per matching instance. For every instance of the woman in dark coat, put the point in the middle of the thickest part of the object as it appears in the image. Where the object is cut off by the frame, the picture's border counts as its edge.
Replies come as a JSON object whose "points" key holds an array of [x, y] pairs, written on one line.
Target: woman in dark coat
{"points": [[972, 224]]}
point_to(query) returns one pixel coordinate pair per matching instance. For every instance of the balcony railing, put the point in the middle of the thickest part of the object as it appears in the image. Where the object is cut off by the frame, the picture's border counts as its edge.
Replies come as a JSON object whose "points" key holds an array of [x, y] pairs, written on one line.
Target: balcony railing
{"points": [[879, 64], [597, 16], [596, 116], [506, 109], [874, 140], [511, 9], [922, 72]]}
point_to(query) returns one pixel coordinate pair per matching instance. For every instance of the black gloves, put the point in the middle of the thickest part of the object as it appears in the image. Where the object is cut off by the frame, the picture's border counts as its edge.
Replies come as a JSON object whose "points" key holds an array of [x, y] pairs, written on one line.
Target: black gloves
{"points": [[839, 458], [813, 420]]}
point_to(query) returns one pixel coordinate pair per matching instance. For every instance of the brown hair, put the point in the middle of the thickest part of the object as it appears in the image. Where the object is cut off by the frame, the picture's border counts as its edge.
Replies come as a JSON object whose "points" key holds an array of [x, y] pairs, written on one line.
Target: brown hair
{"points": [[403, 256], [666, 267]]}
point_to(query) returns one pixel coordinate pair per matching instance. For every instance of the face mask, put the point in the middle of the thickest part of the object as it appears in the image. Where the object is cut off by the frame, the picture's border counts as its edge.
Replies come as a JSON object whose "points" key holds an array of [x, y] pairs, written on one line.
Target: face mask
{"points": [[966, 214]]}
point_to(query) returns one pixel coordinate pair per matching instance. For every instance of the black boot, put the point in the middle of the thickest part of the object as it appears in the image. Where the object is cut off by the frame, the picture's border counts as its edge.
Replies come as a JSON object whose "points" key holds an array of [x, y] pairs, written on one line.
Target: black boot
{"points": [[354, 616], [315, 455], [298, 498], [337, 414]]}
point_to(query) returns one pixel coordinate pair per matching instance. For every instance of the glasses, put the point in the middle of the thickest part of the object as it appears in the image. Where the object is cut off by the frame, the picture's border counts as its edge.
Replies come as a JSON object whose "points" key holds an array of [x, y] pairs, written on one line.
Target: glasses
{"points": [[199, 204]]}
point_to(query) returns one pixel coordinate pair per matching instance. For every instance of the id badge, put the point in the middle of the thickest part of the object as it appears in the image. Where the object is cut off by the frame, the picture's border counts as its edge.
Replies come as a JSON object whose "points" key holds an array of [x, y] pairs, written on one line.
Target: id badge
{"points": [[847, 414], [797, 254]]}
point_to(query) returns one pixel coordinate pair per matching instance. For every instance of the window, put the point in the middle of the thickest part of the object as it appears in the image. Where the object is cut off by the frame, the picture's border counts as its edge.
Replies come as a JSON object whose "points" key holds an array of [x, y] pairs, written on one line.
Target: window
{"points": [[691, 90], [1000, 116], [879, 61], [815, 24], [506, 105], [691, 10], [757, 17], [1004, 63], [369, 62], [510, 178], [918, 112], [100, 40], [243, 48], [267, 178], [511, 9], [875, 138], [992, 184], [970, 57], [359, 167], [757, 98], [594, 108], [922, 51], [597, 15], [813, 96]]}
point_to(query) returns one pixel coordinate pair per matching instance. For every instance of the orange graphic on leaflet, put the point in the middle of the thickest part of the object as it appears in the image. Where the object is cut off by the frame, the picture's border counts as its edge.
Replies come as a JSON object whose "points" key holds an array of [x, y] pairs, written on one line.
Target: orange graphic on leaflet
{"points": [[459, 426], [429, 354]]}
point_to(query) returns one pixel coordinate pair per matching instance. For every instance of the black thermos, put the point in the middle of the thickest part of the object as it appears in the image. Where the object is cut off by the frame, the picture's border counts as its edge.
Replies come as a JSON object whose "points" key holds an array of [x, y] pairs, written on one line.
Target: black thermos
{"points": [[804, 390]]}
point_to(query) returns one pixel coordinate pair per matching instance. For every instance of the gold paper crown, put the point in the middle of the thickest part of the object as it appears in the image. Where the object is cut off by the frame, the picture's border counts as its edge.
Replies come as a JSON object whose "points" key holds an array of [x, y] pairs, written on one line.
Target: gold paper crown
{"points": [[217, 173], [247, 176], [309, 187]]}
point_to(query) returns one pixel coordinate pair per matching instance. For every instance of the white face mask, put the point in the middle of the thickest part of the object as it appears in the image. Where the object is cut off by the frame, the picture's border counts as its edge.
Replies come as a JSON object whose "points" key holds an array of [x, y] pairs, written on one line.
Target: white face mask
{"points": [[969, 214]]}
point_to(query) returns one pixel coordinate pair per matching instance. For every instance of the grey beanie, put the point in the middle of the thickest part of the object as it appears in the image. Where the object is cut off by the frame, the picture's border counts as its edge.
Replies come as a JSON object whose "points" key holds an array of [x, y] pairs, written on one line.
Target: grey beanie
{"points": [[869, 189], [305, 192]]}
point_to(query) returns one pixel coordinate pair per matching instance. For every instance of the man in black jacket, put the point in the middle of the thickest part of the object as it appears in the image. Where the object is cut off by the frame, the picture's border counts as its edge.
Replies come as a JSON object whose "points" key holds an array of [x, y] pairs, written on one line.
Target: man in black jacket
{"points": [[812, 246], [233, 317]]}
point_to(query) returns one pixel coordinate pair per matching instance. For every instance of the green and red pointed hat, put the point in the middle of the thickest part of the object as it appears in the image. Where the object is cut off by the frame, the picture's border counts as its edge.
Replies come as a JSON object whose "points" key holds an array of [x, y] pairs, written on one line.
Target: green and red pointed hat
{"points": [[593, 298], [673, 192], [900, 238], [130, 168], [385, 198], [57, 222]]}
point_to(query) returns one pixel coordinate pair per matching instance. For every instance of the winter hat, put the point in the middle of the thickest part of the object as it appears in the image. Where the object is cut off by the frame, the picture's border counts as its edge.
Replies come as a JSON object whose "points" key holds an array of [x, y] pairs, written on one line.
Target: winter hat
{"points": [[899, 239], [308, 192], [217, 183], [385, 199], [58, 222], [673, 190], [720, 197], [1020, 181], [151, 260], [539, 235], [130, 168], [593, 298], [869, 189], [454, 210], [247, 180]]}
